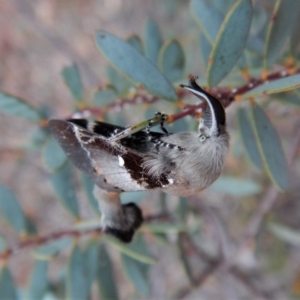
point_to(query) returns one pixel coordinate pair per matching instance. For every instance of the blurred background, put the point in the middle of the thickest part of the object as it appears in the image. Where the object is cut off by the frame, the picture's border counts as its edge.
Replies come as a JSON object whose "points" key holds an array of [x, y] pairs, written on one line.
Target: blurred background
{"points": [[37, 40]]}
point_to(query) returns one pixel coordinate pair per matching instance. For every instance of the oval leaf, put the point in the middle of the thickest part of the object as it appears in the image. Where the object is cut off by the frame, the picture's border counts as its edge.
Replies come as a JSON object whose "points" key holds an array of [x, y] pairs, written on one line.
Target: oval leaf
{"points": [[62, 182], [38, 280], [153, 40], [132, 63], [105, 96], [209, 18], [77, 285], [275, 86], [90, 259], [172, 60], [16, 107], [205, 47], [249, 138], [105, 276], [230, 42], [286, 234], [118, 81], [51, 249], [136, 42], [11, 210], [53, 155], [136, 271], [7, 287], [124, 248], [72, 79], [270, 147], [279, 30], [236, 187]]}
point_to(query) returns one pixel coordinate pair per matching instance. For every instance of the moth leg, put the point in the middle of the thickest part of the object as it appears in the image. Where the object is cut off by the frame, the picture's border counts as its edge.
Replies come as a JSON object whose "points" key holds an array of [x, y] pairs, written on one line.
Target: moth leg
{"points": [[118, 220], [158, 118]]}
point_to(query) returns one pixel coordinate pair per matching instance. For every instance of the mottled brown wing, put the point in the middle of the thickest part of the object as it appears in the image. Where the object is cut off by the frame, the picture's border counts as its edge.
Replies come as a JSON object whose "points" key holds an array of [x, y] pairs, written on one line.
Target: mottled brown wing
{"points": [[110, 165]]}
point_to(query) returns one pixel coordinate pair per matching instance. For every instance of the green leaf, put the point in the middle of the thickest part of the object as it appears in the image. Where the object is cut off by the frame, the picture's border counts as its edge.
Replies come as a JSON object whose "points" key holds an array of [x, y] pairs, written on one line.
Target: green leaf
{"points": [[236, 187], [290, 98], [90, 259], [105, 276], [105, 96], [62, 182], [172, 60], [77, 284], [11, 210], [294, 36], [136, 271], [275, 86], [51, 249], [279, 30], [249, 138], [124, 248], [17, 107], [164, 227], [270, 147], [89, 187], [227, 50], [7, 287], [53, 155], [153, 41], [289, 235], [208, 17], [136, 42], [38, 280], [72, 79], [132, 63], [205, 47], [118, 81]]}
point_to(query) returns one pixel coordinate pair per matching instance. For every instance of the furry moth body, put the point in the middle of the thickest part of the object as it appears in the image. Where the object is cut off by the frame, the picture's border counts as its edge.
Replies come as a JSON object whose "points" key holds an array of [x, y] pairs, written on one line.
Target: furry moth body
{"points": [[182, 163]]}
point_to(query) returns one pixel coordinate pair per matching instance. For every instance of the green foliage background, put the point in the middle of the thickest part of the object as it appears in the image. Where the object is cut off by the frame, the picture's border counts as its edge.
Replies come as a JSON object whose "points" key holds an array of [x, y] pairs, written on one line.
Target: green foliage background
{"points": [[247, 221]]}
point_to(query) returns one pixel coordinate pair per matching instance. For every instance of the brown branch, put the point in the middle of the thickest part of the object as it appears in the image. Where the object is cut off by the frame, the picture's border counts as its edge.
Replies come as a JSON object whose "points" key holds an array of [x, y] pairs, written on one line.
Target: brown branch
{"points": [[75, 233]]}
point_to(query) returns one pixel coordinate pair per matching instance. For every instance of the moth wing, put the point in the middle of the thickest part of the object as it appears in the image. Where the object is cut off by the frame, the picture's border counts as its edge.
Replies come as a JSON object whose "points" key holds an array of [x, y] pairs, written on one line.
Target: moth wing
{"points": [[111, 166]]}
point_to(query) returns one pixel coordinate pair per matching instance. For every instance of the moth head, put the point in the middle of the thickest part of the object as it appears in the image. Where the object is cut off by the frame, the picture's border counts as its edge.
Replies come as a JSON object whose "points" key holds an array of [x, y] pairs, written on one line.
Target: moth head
{"points": [[214, 121]]}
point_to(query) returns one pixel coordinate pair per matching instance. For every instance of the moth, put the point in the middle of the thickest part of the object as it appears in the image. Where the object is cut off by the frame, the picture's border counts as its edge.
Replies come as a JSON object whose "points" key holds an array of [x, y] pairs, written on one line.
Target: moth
{"points": [[119, 159]]}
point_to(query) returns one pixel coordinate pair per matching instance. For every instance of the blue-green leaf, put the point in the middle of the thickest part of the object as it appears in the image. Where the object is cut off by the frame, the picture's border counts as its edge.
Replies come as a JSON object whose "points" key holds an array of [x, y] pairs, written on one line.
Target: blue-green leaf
{"points": [[132, 63], [3, 244], [172, 60], [7, 287], [77, 284], [72, 79], [105, 96], [289, 235], [153, 41], [227, 50], [136, 271], [118, 81], [279, 30], [209, 18], [136, 42], [11, 210], [270, 147], [235, 186], [205, 47], [38, 280], [105, 276], [62, 182], [124, 248], [275, 86], [91, 259], [249, 138], [17, 107], [89, 187], [53, 155], [51, 249]]}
